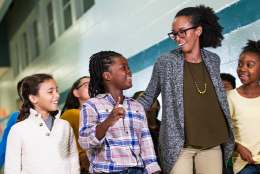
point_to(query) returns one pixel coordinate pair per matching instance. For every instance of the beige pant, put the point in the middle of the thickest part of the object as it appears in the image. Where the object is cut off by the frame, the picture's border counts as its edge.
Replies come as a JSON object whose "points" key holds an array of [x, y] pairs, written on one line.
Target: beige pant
{"points": [[208, 161]]}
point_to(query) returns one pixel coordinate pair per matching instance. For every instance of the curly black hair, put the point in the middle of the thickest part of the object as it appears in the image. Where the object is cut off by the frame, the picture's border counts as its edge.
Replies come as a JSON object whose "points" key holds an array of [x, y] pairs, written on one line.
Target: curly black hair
{"points": [[253, 47], [229, 78], [206, 18], [99, 63]]}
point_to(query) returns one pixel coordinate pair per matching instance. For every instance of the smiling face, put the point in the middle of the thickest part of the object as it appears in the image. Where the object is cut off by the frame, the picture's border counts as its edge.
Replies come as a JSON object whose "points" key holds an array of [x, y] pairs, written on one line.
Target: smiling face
{"points": [[191, 41], [119, 75], [47, 98], [248, 69]]}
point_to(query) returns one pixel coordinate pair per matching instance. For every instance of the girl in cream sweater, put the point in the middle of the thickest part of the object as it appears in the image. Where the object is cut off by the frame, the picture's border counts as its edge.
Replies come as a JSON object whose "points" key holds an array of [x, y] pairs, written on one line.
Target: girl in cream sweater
{"points": [[41, 142]]}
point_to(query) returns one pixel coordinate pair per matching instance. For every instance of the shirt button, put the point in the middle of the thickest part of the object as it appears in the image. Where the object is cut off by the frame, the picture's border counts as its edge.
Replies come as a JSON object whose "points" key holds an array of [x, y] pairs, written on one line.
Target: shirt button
{"points": [[136, 111], [40, 124], [36, 115], [47, 134], [126, 132], [106, 110]]}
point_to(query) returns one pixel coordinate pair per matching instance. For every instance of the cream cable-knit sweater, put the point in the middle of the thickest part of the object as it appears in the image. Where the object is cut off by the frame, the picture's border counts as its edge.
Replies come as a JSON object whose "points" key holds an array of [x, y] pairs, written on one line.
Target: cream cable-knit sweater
{"points": [[32, 148]]}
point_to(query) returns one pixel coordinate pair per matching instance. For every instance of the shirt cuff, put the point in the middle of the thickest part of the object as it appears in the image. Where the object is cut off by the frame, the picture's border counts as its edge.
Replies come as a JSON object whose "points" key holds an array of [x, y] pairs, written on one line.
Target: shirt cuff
{"points": [[95, 142], [152, 168]]}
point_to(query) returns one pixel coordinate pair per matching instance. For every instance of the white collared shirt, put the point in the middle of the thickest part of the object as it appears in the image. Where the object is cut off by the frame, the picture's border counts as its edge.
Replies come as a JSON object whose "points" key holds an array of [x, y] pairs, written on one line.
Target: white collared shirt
{"points": [[33, 148]]}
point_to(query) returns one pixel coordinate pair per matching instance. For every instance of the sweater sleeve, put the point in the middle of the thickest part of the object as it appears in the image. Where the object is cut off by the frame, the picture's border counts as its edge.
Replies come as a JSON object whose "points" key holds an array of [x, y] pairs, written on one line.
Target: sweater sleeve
{"points": [[10, 123], [153, 89], [13, 161], [74, 157]]}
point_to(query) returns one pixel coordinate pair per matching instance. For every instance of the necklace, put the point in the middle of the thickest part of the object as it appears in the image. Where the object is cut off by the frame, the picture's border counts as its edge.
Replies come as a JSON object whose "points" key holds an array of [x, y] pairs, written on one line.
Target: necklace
{"points": [[197, 87]]}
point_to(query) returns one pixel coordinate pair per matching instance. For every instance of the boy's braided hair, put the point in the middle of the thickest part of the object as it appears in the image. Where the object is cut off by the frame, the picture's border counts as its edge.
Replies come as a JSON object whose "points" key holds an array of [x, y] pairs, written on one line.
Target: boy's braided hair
{"points": [[99, 63]]}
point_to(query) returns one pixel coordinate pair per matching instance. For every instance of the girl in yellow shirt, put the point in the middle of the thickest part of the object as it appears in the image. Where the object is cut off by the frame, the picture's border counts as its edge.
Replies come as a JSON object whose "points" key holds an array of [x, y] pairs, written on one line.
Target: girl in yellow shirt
{"points": [[76, 98], [244, 105]]}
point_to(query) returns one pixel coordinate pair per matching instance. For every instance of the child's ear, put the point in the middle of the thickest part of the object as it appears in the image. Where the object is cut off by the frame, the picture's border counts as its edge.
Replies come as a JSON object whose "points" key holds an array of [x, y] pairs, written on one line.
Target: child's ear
{"points": [[76, 93], [33, 99], [106, 76]]}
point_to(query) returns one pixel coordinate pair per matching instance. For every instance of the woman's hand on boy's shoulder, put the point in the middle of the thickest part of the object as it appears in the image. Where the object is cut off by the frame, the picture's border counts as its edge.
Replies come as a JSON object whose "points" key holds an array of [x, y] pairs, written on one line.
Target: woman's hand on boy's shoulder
{"points": [[245, 154], [115, 115]]}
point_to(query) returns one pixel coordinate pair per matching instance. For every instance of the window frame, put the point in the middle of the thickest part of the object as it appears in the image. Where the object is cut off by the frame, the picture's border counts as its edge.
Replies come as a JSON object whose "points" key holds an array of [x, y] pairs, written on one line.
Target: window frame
{"points": [[34, 17], [15, 56]]}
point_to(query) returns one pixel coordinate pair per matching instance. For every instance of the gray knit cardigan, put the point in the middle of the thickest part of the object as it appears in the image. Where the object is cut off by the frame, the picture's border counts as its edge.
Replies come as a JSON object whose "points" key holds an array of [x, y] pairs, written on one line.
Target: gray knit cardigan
{"points": [[167, 79]]}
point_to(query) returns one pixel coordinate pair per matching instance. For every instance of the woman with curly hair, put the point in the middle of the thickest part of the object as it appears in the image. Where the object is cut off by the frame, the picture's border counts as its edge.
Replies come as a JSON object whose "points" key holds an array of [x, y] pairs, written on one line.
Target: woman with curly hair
{"points": [[196, 130]]}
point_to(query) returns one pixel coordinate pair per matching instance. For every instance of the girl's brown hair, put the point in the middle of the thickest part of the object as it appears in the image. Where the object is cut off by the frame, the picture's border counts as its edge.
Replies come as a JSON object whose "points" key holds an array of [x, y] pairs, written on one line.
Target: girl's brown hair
{"points": [[30, 85]]}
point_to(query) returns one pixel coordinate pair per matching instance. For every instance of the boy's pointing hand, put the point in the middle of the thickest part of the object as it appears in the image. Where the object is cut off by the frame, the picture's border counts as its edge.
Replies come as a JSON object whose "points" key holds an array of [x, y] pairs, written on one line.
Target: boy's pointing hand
{"points": [[115, 115]]}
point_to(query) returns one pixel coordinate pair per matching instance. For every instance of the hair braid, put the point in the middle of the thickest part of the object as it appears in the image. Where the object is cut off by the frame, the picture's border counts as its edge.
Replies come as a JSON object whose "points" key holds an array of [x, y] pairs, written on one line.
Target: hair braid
{"points": [[99, 63]]}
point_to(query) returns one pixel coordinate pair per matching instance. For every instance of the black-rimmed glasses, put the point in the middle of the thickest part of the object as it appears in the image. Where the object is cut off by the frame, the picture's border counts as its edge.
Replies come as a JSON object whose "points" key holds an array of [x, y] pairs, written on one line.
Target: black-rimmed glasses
{"points": [[86, 84], [181, 33]]}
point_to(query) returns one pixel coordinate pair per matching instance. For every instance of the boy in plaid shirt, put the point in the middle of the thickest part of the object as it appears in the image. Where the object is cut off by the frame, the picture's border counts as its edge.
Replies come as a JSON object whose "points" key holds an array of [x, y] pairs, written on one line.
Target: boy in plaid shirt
{"points": [[114, 134]]}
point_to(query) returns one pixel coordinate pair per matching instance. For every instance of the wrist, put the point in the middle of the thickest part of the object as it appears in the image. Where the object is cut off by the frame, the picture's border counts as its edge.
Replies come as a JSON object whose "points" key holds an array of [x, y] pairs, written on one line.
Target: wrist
{"points": [[104, 124], [240, 148], [237, 147]]}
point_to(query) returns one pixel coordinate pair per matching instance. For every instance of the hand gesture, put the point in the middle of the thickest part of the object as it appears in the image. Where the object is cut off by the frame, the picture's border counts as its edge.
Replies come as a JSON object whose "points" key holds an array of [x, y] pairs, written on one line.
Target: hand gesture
{"points": [[115, 114], [245, 153]]}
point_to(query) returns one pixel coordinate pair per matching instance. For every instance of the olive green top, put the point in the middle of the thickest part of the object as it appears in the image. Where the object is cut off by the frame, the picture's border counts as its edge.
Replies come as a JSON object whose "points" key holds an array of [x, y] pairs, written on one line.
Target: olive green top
{"points": [[205, 125]]}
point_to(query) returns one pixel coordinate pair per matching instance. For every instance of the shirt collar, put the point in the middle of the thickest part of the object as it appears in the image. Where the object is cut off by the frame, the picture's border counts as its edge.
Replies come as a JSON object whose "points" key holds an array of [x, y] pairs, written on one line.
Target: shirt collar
{"points": [[34, 114], [109, 97]]}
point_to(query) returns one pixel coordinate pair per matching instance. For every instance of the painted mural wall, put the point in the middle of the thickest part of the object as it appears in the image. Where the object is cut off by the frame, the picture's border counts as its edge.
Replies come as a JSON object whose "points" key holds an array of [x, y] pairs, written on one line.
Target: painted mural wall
{"points": [[138, 30]]}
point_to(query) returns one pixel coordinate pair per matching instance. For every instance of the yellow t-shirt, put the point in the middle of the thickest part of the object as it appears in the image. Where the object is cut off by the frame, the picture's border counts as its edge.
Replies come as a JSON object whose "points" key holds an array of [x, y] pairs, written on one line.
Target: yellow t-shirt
{"points": [[72, 116], [245, 114]]}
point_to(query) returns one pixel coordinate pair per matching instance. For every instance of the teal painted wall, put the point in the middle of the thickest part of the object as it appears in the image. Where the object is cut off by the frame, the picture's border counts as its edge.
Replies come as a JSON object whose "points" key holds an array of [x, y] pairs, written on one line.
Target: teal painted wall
{"points": [[237, 15]]}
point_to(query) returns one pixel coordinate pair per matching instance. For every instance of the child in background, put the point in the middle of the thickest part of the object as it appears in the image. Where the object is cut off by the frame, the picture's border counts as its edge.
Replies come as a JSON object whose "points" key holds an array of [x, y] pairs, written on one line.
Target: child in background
{"points": [[229, 83], [153, 123], [40, 142], [10, 123], [113, 128], [77, 96], [244, 105]]}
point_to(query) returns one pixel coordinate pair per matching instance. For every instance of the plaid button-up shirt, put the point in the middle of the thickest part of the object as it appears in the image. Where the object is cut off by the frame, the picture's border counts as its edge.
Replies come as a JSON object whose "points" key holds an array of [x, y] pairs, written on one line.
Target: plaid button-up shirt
{"points": [[126, 144]]}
